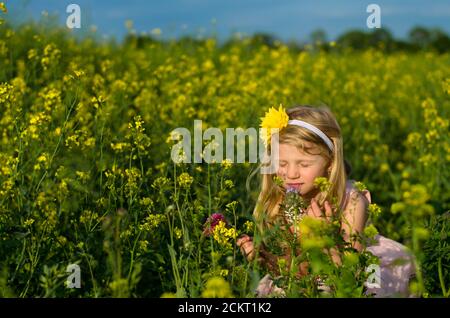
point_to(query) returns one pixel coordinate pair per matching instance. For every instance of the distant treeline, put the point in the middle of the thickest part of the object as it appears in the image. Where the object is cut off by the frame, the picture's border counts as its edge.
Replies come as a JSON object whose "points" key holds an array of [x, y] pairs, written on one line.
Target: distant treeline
{"points": [[418, 39]]}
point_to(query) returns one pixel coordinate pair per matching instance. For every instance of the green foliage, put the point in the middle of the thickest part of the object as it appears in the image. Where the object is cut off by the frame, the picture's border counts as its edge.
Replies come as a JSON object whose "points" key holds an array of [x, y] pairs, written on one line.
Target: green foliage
{"points": [[86, 176], [436, 266]]}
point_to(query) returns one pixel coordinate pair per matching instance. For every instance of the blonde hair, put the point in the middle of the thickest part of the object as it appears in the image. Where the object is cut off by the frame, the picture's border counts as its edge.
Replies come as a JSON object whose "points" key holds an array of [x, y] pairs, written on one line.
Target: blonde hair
{"points": [[267, 207]]}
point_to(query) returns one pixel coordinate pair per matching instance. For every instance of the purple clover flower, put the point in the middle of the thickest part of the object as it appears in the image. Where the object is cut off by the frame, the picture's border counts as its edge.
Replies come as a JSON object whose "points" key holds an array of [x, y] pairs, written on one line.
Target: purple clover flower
{"points": [[212, 222], [291, 190]]}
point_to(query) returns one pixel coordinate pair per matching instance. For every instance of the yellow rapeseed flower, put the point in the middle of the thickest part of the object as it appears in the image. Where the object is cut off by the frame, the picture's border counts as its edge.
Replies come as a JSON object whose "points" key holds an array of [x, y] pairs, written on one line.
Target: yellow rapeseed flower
{"points": [[227, 164], [178, 233], [28, 222], [370, 231], [417, 195], [223, 235], [185, 180], [249, 226], [384, 167], [322, 183], [217, 287], [278, 180], [398, 207], [152, 222], [374, 210]]}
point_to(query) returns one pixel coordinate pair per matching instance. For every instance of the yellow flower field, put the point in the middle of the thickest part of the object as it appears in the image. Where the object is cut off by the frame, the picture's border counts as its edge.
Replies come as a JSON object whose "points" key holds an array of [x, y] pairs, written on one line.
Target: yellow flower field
{"points": [[86, 175]]}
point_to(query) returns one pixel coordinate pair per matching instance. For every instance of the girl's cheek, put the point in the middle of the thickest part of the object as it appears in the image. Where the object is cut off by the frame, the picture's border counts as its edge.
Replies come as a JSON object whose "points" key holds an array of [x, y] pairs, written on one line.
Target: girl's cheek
{"points": [[281, 172], [308, 174]]}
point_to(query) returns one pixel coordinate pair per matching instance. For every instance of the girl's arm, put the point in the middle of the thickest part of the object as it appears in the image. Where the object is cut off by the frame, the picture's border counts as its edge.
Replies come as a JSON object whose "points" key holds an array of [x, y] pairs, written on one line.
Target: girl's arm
{"points": [[354, 219]]}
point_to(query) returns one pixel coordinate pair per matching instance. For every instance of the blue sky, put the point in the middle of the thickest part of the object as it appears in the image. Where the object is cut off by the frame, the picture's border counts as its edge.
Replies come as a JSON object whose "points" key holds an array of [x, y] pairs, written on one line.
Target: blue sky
{"points": [[287, 19]]}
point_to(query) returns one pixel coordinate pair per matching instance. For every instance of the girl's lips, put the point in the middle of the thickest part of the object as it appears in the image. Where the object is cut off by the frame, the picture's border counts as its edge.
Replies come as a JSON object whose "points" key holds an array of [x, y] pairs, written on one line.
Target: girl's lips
{"points": [[293, 185]]}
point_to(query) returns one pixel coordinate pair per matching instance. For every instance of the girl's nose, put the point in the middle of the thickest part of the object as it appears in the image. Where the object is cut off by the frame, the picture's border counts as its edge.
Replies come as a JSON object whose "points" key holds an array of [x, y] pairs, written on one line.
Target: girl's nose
{"points": [[293, 173]]}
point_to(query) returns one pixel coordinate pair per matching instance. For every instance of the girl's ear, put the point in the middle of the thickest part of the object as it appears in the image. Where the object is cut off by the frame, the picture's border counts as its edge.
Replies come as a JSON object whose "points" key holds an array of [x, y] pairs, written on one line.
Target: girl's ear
{"points": [[329, 169]]}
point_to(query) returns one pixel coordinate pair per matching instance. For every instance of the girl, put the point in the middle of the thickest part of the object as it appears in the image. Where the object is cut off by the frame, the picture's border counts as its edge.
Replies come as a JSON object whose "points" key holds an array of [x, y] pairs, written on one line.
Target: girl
{"points": [[310, 146]]}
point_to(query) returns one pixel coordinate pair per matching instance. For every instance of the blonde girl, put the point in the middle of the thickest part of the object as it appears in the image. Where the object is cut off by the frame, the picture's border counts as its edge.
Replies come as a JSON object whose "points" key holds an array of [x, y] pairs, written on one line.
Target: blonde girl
{"points": [[311, 146]]}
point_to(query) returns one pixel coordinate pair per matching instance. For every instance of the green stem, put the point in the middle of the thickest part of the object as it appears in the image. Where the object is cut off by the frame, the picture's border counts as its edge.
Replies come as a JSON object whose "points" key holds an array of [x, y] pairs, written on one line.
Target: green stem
{"points": [[209, 214], [441, 278], [183, 227], [209, 190], [415, 242], [57, 145], [132, 255], [94, 284]]}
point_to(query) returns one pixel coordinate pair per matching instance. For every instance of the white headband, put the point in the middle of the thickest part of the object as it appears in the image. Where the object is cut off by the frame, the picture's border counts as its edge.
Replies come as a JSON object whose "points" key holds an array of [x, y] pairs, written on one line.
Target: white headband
{"points": [[314, 129]]}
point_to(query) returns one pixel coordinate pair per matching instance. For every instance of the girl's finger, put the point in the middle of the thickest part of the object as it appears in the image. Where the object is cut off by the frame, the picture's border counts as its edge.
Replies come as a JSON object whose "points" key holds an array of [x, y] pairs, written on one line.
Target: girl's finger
{"points": [[309, 212], [247, 250], [315, 209], [292, 229], [328, 210], [243, 247], [243, 239]]}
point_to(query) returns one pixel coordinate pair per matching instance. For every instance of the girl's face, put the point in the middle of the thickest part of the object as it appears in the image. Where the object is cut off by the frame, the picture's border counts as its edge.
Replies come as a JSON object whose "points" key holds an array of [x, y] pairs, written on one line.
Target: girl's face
{"points": [[298, 169]]}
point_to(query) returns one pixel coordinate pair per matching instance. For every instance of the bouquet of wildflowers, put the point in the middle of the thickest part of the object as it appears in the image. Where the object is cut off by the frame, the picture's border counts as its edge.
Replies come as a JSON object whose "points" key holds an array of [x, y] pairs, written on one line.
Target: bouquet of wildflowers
{"points": [[293, 206], [279, 238]]}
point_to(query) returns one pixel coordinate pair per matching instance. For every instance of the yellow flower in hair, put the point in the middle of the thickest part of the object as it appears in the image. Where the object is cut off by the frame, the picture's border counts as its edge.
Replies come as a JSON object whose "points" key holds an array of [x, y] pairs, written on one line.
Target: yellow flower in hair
{"points": [[274, 119]]}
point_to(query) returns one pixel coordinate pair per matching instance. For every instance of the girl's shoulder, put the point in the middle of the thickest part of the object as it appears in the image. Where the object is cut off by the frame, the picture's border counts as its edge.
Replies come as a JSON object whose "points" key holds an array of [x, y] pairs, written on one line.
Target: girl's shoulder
{"points": [[352, 192]]}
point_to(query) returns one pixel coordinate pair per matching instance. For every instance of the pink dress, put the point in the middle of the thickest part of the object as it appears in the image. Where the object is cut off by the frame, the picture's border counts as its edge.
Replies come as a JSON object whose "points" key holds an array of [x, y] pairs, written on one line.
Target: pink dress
{"points": [[392, 276]]}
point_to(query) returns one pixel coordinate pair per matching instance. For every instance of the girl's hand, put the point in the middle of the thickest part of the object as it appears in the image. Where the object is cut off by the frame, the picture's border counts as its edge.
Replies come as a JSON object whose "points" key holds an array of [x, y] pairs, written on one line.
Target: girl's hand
{"points": [[245, 243], [315, 211]]}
